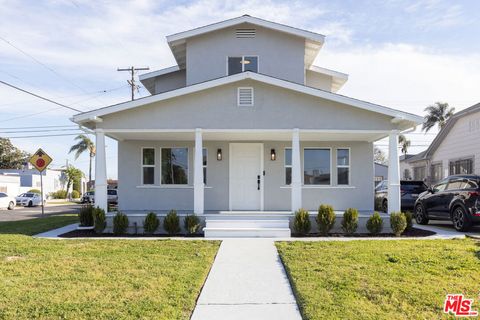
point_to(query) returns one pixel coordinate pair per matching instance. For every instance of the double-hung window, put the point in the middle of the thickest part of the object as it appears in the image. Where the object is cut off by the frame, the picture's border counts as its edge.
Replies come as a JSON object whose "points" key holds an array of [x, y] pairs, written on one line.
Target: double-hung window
{"points": [[148, 166], [462, 166], [174, 166], [343, 166], [288, 166], [242, 64], [316, 166]]}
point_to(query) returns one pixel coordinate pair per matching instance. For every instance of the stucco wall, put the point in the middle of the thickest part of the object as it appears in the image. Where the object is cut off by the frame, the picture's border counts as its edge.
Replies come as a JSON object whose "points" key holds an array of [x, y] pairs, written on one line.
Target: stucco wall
{"points": [[170, 81], [134, 196], [280, 55], [275, 108]]}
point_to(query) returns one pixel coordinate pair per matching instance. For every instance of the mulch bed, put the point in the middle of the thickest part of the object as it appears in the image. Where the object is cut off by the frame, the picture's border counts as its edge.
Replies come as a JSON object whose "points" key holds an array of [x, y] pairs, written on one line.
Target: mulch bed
{"points": [[92, 234], [413, 232]]}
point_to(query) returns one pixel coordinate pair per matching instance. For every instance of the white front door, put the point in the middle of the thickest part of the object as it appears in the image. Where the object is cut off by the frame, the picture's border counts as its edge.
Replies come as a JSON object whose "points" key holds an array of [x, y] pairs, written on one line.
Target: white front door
{"points": [[246, 176]]}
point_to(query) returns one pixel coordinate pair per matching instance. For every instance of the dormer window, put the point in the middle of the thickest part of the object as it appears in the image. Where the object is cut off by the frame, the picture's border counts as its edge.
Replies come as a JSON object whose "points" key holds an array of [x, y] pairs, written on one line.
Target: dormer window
{"points": [[242, 64]]}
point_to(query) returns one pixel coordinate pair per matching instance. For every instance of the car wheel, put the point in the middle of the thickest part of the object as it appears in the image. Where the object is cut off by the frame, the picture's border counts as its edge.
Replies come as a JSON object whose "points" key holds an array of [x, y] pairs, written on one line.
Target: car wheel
{"points": [[420, 216], [385, 206], [460, 220], [30, 204], [11, 205]]}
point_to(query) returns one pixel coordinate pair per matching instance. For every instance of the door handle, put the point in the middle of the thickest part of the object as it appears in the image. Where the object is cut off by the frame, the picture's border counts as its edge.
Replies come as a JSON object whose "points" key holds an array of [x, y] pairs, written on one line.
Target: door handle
{"points": [[258, 182]]}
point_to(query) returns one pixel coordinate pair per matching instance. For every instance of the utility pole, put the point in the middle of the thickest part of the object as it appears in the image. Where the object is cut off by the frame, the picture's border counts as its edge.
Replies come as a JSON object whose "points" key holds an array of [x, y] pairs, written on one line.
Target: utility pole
{"points": [[131, 82]]}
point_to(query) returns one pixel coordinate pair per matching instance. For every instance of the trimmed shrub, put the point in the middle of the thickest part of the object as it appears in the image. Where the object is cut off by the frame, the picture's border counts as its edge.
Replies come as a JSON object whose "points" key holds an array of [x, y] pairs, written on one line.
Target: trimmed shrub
{"points": [[409, 218], [75, 194], [86, 216], [350, 221], [100, 221], [398, 223], [35, 191], [120, 223], [171, 223], [151, 223], [191, 224], [325, 219], [375, 224], [60, 194], [301, 223]]}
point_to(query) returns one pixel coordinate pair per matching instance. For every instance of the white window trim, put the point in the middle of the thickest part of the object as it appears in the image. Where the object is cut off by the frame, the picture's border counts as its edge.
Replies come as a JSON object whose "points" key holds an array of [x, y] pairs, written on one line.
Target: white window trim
{"points": [[344, 166], [243, 65], [188, 168], [303, 169], [285, 166], [238, 97], [147, 165]]}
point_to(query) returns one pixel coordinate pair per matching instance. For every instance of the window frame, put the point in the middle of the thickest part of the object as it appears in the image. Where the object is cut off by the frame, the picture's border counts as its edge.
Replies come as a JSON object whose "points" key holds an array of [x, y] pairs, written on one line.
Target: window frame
{"points": [[142, 180], [243, 65], [205, 166], [188, 167], [432, 171], [468, 158], [424, 168], [344, 166], [303, 167], [285, 166]]}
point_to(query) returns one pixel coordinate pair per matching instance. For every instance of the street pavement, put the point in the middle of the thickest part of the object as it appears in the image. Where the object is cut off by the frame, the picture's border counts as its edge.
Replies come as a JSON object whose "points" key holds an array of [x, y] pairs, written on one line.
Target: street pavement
{"points": [[24, 213]]}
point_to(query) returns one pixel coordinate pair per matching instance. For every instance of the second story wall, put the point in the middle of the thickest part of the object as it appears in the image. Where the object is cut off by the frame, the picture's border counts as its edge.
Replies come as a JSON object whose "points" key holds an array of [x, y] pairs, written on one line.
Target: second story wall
{"points": [[279, 55]]}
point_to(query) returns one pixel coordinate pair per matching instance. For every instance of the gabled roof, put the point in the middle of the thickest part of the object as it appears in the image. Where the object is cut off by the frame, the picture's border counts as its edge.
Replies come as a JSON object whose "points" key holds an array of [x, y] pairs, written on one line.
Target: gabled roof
{"points": [[399, 116], [177, 41], [446, 129]]}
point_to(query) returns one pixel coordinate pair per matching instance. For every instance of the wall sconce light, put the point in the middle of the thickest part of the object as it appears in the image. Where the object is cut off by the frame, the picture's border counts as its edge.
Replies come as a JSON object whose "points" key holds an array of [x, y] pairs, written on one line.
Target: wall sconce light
{"points": [[273, 155], [219, 154]]}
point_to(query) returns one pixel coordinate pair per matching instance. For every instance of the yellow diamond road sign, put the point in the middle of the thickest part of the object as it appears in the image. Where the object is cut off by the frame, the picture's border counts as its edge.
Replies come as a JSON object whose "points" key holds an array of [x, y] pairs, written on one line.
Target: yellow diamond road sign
{"points": [[40, 160]]}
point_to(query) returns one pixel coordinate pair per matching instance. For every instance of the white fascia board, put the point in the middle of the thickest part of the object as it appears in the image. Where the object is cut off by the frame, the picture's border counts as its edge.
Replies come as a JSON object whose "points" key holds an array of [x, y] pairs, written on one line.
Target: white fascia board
{"points": [[246, 19], [254, 76], [157, 73]]}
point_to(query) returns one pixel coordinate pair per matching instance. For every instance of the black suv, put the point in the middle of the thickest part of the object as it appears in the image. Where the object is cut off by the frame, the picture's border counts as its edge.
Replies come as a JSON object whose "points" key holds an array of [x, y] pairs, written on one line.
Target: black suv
{"points": [[409, 192], [455, 198]]}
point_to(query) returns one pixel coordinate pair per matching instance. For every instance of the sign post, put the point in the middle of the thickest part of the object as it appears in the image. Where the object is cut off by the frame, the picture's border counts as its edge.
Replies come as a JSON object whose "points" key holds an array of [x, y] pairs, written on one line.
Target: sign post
{"points": [[40, 160]]}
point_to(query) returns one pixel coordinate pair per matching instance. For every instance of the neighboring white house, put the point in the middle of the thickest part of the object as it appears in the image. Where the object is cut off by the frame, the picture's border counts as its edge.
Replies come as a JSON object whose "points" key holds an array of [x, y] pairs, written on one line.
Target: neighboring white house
{"points": [[10, 184], [245, 123], [455, 150], [53, 180]]}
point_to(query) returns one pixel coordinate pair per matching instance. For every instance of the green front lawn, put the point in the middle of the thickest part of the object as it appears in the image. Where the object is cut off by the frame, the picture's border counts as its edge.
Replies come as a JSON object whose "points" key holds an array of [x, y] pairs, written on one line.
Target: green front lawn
{"points": [[98, 279], [34, 226], [395, 279]]}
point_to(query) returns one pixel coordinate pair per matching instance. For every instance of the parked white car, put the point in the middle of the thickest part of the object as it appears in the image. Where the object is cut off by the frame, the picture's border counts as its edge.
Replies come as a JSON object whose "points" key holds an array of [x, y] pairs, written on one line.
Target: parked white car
{"points": [[29, 199], [6, 201]]}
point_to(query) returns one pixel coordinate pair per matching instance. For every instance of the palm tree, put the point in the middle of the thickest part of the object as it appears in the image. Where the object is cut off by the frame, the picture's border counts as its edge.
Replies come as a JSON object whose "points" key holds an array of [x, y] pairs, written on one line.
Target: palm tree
{"points": [[438, 113], [404, 142], [84, 144]]}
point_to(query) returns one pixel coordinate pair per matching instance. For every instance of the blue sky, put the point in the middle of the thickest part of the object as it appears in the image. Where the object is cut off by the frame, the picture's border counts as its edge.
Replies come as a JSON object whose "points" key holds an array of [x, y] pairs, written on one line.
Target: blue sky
{"points": [[403, 54]]}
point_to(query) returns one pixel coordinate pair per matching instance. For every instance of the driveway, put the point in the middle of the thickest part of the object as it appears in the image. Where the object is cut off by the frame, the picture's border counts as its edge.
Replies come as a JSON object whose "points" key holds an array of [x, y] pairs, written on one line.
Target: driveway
{"points": [[24, 213], [446, 228]]}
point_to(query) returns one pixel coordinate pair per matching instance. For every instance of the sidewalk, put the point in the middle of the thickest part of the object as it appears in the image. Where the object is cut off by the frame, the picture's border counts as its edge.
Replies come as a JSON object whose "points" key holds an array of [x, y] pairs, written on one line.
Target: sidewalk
{"points": [[247, 281]]}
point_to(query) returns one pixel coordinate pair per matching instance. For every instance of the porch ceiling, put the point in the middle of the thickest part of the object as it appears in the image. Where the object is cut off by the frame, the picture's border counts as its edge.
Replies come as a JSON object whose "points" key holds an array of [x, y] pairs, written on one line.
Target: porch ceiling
{"points": [[247, 135]]}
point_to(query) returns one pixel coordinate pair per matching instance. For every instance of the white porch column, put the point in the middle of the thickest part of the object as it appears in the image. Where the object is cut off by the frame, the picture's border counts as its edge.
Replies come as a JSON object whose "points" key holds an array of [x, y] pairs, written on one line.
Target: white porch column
{"points": [[393, 173], [296, 171], [198, 185], [100, 171]]}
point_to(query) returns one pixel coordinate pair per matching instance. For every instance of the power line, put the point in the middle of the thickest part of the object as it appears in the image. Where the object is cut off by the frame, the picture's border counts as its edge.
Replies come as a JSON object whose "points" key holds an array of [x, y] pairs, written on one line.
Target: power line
{"points": [[46, 135], [41, 130], [41, 127], [42, 64], [40, 97]]}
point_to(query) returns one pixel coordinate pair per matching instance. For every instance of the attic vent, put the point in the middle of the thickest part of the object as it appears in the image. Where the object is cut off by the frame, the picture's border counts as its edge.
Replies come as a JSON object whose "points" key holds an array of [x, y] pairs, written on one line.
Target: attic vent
{"points": [[245, 97], [245, 33]]}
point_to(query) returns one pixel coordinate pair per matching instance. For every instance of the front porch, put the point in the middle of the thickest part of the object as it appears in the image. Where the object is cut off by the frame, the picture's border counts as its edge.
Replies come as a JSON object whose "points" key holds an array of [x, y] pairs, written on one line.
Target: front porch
{"points": [[280, 178]]}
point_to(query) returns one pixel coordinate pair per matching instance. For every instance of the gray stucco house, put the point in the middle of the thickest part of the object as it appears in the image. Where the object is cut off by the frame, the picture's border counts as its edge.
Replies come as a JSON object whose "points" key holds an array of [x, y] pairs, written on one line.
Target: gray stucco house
{"points": [[245, 123]]}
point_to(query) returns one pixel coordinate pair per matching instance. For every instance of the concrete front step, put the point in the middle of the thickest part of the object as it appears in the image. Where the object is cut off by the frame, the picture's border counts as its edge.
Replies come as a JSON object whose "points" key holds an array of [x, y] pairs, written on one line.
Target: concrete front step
{"points": [[246, 232], [247, 223]]}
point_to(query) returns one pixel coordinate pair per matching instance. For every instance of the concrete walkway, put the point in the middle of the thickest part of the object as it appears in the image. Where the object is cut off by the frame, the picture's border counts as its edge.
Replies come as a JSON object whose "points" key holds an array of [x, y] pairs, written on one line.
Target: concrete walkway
{"points": [[247, 281]]}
